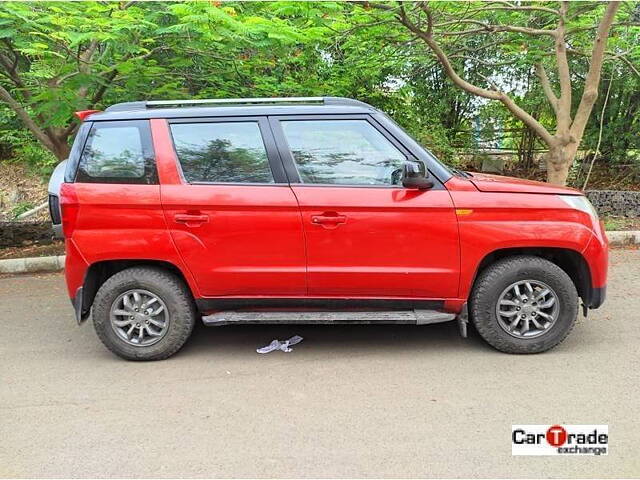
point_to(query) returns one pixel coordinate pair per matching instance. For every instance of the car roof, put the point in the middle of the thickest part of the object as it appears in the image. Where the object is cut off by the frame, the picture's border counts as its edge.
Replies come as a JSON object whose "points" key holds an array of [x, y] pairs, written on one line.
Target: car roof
{"points": [[232, 108]]}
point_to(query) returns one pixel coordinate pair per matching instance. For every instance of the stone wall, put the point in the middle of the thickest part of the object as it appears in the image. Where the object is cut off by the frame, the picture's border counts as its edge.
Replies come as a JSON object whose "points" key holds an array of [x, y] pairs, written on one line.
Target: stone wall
{"points": [[15, 234], [615, 203]]}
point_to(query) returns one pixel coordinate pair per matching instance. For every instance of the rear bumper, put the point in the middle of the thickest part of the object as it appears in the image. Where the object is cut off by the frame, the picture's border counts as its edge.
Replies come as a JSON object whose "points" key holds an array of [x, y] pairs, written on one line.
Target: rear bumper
{"points": [[596, 299]]}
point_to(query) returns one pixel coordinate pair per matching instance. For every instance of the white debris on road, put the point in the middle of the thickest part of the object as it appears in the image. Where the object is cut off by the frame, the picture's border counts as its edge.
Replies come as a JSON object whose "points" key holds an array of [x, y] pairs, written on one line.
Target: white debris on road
{"points": [[278, 345]]}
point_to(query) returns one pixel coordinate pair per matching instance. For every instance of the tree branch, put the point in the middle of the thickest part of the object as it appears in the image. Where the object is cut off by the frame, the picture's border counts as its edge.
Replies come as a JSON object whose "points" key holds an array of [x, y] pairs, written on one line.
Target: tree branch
{"points": [[97, 96], [597, 152], [541, 73], [628, 62], [11, 66], [453, 33], [489, 28], [614, 56], [71, 129], [507, 101], [613, 25], [475, 59], [590, 93], [84, 59], [376, 5], [563, 113], [513, 7], [26, 119]]}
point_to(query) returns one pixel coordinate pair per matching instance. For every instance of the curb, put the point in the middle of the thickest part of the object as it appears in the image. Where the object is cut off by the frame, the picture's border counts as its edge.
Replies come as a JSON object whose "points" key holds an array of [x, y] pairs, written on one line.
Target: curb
{"points": [[56, 263], [624, 237], [32, 264]]}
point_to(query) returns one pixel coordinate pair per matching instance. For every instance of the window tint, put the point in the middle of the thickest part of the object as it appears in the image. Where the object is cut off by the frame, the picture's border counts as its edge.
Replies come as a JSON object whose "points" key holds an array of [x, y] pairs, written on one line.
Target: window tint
{"points": [[343, 152], [118, 152], [230, 152]]}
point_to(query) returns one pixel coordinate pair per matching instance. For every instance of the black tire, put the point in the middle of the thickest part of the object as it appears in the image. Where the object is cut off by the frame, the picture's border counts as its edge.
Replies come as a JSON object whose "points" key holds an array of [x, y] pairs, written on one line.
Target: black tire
{"points": [[497, 277], [166, 286]]}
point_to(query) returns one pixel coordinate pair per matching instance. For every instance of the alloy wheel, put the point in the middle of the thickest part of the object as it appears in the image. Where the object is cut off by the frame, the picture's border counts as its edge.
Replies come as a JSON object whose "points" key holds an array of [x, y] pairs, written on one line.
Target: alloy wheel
{"points": [[527, 309], [139, 317]]}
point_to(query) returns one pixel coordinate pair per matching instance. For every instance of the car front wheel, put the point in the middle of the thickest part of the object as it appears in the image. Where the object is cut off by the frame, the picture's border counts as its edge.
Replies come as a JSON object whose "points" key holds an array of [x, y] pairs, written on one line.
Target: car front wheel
{"points": [[524, 304]]}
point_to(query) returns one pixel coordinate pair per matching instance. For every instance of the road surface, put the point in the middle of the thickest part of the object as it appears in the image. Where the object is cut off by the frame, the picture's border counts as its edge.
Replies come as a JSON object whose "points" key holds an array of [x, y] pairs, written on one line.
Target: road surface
{"points": [[349, 401]]}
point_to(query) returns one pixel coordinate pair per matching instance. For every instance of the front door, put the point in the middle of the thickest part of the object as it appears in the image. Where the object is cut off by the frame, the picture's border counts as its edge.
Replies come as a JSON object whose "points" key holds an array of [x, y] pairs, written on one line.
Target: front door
{"points": [[366, 235], [231, 214]]}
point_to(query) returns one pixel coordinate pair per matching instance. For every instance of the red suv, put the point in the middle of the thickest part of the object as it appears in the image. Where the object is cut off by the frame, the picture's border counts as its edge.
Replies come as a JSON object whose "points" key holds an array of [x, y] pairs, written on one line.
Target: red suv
{"points": [[309, 210]]}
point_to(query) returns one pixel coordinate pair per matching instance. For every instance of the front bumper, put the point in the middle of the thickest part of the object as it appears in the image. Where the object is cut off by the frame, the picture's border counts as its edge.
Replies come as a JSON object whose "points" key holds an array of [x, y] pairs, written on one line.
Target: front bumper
{"points": [[597, 256]]}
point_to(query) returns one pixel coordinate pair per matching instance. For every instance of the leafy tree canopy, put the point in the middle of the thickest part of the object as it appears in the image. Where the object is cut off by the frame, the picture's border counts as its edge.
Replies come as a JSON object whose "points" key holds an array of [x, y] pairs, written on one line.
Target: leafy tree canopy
{"points": [[60, 57]]}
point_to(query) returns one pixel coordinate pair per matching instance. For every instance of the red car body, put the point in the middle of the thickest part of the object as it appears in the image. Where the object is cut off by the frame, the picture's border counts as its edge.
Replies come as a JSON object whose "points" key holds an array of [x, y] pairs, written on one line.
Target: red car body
{"points": [[289, 241]]}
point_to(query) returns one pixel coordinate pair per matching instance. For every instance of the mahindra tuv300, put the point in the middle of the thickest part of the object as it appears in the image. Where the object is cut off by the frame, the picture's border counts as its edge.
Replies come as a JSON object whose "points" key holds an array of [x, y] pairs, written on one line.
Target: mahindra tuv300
{"points": [[308, 210]]}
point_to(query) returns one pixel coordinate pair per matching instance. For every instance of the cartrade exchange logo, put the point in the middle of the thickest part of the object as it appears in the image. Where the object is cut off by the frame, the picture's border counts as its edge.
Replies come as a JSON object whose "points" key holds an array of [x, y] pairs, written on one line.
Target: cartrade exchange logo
{"points": [[559, 439]]}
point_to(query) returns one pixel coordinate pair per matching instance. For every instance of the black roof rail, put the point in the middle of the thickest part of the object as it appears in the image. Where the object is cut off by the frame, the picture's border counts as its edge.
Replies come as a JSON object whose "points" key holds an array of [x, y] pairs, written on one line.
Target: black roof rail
{"points": [[144, 105]]}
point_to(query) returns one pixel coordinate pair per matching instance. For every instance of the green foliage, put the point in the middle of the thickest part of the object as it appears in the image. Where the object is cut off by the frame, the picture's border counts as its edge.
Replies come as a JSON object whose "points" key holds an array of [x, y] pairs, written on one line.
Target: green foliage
{"points": [[59, 57], [621, 223], [20, 208], [621, 117], [18, 145], [38, 159]]}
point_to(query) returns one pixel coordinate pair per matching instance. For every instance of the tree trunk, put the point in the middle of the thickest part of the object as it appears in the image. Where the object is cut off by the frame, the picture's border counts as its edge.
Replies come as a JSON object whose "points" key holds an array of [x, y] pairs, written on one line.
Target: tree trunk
{"points": [[559, 159], [62, 150]]}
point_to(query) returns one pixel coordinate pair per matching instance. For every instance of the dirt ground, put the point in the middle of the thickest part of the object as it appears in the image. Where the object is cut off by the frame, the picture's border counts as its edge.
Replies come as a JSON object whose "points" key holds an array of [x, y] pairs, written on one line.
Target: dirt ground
{"points": [[19, 188], [55, 248]]}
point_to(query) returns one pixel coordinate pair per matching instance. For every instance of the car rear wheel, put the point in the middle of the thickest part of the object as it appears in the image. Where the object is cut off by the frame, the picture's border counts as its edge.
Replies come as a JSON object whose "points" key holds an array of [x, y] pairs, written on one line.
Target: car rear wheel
{"points": [[144, 313], [524, 304]]}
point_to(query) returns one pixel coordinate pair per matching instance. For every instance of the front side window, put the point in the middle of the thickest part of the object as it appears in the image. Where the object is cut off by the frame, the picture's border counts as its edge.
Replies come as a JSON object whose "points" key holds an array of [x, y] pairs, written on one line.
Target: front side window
{"points": [[343, 152], [222, 152], [118, 152]]}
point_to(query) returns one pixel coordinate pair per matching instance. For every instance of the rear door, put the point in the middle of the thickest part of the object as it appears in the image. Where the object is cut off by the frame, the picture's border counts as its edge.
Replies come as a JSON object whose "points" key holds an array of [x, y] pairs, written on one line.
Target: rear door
{"points": [[229, 208], [118, 214], [366, 235]]}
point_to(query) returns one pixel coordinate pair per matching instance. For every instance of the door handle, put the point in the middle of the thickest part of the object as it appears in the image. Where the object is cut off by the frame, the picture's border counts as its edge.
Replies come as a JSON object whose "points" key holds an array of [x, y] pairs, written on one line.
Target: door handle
{"points": [[328, 220], [191, 220]]}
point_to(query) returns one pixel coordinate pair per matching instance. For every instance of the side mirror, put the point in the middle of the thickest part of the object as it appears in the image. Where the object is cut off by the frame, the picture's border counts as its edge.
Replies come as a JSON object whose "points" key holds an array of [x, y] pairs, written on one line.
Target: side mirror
{"points": [[414, 176]]}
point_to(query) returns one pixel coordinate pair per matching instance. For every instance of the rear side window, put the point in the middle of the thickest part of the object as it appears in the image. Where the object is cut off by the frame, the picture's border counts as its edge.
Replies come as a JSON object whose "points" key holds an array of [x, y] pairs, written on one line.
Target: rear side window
{"points": [[118, 152], [222, 152]]}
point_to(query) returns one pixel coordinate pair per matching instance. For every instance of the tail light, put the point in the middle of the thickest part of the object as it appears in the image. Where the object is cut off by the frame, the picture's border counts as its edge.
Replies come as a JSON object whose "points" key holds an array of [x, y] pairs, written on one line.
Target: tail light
{"points": [[54, 209], [69, 206]]}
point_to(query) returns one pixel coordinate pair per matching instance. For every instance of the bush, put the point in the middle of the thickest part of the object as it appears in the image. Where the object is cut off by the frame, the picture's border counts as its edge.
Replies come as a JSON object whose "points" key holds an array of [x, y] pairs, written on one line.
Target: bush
{"points": [[18, 145], [20, 208]]}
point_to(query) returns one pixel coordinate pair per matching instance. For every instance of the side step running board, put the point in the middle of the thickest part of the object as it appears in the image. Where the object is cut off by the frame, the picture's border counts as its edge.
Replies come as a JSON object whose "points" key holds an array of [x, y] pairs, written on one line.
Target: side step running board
{"points": [[415, 317]]}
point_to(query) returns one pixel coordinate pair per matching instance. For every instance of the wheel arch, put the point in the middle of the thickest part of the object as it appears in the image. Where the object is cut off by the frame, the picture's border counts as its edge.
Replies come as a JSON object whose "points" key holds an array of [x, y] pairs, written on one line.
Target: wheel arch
{"points": [[571, 261], [98, 272]]}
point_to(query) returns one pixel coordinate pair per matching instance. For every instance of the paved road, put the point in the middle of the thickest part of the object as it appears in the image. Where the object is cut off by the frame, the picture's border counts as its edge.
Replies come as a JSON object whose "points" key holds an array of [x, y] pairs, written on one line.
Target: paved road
{"points": [[351, 401]]}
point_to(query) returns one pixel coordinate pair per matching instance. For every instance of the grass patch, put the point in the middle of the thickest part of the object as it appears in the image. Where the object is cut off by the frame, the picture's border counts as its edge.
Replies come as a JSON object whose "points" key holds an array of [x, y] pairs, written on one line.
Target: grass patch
{"points": [[621, 223]]}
